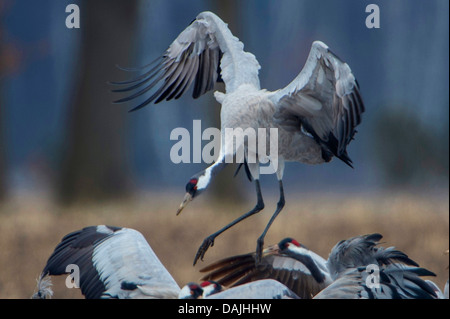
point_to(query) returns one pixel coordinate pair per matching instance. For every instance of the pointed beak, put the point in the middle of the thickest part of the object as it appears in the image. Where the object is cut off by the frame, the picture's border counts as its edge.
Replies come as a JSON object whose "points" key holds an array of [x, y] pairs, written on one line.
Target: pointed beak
{"points": [[271, 250], [187, 198]]}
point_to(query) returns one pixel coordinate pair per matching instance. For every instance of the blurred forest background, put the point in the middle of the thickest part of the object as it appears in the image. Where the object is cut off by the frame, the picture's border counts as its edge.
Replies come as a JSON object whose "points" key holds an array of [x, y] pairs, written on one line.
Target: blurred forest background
{"points": [[65, 148]]}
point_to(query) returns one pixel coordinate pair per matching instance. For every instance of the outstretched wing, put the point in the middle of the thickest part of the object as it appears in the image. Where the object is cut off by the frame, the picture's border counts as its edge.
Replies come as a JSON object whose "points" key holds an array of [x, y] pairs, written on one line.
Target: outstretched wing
{"points": [[113, 262], [361, 251], [394, 281], [323, 100], [205, 52], [242, 269]]}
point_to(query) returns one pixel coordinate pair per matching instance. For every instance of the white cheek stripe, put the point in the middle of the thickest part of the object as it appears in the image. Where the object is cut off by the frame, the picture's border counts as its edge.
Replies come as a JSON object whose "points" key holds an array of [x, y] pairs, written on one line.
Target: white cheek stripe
{"points": [[203, 180], [300, 250]]}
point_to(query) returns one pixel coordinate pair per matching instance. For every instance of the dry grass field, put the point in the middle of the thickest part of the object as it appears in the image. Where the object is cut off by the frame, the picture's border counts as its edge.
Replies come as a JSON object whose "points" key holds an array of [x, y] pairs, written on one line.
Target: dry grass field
{"points": [[31, 227]]}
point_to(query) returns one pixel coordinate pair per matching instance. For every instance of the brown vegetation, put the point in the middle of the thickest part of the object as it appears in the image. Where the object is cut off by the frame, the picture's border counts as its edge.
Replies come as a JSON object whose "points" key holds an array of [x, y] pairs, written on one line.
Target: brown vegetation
{"points": [[30, 228]]}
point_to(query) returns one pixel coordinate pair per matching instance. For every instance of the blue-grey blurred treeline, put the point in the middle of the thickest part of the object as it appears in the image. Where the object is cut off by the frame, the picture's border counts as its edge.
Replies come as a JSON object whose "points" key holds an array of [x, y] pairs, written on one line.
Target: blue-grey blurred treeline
{"points": [[402, 69]]}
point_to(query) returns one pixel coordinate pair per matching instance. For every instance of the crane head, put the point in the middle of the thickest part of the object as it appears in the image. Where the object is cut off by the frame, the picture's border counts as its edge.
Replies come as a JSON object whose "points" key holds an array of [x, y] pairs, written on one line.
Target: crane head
{"points": [[196, 185], [210, 287], [191, 291], [286, 242]]}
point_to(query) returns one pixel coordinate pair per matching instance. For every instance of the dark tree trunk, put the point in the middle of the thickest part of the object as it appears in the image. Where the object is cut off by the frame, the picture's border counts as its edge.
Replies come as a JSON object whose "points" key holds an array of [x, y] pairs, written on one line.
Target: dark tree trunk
{"points": [[94, 166], [2, 151], [3, 66]]}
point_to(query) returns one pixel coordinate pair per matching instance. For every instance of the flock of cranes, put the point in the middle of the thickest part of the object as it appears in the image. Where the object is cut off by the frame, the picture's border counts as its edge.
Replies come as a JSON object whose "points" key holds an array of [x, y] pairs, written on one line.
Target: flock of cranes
{"points": [[118, 263], [315, 116]]}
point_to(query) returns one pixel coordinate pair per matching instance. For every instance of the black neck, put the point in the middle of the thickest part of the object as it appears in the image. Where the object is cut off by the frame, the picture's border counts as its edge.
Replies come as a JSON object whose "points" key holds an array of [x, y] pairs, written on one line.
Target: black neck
{"points": [[310, 264]]}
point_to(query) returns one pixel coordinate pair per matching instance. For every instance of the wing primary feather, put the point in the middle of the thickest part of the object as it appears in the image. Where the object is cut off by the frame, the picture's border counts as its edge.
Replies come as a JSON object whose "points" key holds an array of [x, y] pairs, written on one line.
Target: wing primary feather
{"points": [[231, 278], [142, 76], [198, 79], [138, 68], [205, 80], [184, 77], [170, 83], [169, 70], [226, 264], [139, 93], [151, 74], [190, 76], [166, 92], [181, 82]]}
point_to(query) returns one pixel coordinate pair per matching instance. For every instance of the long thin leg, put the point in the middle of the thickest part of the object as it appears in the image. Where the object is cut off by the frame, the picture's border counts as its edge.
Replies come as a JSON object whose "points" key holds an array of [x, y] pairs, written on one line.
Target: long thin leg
{"points": [[260, 241], [209, 241]]}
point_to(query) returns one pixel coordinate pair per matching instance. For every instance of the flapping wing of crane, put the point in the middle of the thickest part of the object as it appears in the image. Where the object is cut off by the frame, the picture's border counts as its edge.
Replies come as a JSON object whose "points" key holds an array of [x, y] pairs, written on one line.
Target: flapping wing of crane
{"points": [[238, 270], [113, 262], [395, 281], [205, 52], [323, 100], [364, 250]]}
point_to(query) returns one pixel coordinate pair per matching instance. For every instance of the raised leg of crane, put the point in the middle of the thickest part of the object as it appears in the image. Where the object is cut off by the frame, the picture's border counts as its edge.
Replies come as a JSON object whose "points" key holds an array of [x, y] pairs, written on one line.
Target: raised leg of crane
{"points": [[209, 241], [260, 241]]}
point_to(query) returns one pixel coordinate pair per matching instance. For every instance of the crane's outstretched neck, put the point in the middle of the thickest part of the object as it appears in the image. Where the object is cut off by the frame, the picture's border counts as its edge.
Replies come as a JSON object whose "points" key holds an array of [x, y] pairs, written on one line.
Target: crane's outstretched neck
{"points": [[294, 250], [207, 175]]}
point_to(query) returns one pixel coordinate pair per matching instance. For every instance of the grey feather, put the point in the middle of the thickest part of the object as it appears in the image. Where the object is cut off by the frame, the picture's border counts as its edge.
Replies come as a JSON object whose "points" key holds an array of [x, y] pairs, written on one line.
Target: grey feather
{"points": [[114, 262], [260, 289]]}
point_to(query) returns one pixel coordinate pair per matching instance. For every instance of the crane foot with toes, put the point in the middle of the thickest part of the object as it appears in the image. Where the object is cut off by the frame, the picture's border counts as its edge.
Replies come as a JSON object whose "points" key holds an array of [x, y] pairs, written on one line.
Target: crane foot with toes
{"points": [[207, 242]]}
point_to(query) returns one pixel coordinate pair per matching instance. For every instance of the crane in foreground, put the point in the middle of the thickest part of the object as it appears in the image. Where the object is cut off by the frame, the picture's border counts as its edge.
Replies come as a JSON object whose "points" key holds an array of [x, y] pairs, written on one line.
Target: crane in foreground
{"points": [[118, 263], [345, 275], [260, 289], [113, 262], [314, 116]]}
